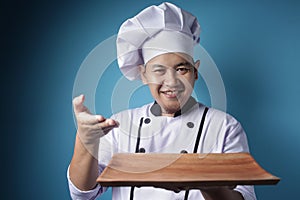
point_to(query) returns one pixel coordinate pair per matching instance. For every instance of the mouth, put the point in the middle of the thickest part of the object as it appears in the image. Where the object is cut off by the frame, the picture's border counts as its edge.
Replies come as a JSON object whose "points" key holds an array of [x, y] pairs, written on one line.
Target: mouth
{"points": [[171, 93]]}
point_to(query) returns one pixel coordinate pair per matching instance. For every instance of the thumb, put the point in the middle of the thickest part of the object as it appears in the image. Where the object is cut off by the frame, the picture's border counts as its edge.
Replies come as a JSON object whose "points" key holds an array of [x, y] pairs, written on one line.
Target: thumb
{"points": [[78, 104]]}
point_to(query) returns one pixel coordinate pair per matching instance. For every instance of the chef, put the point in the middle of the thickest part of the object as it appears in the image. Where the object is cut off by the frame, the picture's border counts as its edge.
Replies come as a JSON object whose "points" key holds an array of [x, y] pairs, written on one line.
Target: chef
{"points": [[156, 46]]}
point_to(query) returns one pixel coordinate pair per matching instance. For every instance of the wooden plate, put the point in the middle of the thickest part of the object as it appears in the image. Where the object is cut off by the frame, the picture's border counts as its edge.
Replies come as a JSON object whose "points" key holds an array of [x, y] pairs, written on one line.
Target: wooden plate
{"points": [[184, 170]]}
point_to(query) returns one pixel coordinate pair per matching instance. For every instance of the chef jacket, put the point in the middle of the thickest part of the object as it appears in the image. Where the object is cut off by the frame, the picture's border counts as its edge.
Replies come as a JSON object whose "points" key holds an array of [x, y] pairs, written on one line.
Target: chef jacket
{"points": [[221, 133]]}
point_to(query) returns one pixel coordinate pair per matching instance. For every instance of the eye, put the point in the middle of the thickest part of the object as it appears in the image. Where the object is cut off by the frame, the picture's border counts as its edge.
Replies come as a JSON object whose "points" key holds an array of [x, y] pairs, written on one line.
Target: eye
{"points": [[183, 70], [159, 71]]}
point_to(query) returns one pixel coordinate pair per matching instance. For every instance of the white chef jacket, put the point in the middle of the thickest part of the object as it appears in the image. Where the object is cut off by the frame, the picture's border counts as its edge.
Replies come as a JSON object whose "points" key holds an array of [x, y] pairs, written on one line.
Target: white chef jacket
{"points": [[221, 133]]}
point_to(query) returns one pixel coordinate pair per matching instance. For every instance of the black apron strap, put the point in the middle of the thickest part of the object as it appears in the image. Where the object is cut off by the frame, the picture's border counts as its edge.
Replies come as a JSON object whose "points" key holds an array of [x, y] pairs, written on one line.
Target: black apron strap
{"points": [[186, 196], [200, 130], [136, 151]]}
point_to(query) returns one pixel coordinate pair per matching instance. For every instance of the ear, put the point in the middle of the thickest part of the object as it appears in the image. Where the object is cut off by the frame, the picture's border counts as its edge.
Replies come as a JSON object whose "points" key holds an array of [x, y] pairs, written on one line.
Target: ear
{"points": [[142, 70], [197, 64]]}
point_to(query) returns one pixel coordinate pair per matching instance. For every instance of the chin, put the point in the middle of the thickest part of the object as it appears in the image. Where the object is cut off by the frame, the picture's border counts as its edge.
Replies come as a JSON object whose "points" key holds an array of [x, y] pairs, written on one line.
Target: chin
{"points": [[171, 108]]}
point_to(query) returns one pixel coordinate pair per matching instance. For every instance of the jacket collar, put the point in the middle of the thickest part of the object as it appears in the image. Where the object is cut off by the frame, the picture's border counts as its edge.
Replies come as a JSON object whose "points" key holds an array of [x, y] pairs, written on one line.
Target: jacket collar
{"points": [[156, 109]]}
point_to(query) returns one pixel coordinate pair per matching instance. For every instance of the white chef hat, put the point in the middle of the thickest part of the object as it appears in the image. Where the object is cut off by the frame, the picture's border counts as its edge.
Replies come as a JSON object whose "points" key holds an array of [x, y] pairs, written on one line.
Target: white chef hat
{"points": [[154, 31]]}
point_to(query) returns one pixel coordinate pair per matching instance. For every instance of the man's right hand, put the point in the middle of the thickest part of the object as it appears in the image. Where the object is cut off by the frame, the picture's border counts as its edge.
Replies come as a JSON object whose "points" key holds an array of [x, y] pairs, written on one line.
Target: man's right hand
{"points": [[90, 127]]}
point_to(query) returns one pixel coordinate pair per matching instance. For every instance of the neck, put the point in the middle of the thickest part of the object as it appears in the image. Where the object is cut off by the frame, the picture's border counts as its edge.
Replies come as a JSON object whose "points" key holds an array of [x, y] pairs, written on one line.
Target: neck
{"points": [[167, 114], [158, 111]]}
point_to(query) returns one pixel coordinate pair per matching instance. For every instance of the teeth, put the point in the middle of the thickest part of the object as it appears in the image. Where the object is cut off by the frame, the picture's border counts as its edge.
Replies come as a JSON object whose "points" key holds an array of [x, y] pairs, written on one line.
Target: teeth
{"points": [[171, 92]]}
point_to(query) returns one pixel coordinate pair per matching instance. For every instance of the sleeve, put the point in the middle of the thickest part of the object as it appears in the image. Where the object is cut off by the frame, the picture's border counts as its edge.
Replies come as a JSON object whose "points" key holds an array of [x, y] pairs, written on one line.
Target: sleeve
{"points": [[106, 149], [236, 141], [77, 194], [235, 137]]}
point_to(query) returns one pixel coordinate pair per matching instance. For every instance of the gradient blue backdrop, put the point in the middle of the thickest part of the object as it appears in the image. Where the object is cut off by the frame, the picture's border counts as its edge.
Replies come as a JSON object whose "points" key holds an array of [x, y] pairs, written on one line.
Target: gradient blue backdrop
{"points": [[255, 45]]}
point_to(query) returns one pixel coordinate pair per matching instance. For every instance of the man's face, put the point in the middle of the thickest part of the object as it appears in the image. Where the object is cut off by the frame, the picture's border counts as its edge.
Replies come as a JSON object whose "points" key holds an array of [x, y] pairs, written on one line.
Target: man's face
{"points": [[171, 79]]}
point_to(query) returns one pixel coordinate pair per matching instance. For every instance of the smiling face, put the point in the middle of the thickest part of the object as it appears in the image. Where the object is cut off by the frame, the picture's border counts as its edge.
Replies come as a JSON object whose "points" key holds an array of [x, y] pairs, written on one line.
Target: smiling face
{"points": [[171, 79]]}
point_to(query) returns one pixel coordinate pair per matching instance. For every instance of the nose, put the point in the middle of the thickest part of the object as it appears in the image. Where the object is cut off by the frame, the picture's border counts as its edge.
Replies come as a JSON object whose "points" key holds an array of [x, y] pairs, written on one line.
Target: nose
{"points": [[171, 79]]}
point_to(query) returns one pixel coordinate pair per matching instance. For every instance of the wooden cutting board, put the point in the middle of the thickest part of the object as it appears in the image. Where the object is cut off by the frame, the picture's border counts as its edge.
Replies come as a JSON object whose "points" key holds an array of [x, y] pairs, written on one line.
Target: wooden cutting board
{"points": [[184, 170]]}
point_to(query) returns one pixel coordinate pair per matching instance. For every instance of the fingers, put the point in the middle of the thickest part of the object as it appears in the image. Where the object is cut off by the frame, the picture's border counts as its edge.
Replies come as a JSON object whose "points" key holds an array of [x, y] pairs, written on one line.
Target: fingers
{"points": [[85, 118], [89, 125], [178, 189], [83, 114], [106, 124], [174, 188], [97, 120], [212, 188], [78, 104], [231, 187]]}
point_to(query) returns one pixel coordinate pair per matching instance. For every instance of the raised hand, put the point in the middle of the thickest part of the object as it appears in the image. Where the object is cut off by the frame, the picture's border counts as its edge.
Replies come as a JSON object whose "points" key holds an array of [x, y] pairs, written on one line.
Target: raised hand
{"points": [[90, 127]]}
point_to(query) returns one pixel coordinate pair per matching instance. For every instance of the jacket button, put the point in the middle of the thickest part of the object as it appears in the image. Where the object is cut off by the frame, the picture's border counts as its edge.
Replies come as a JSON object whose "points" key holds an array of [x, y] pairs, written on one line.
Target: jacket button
{"points": [[142, 150], [147, 121], [183, 151], [190, 124]]}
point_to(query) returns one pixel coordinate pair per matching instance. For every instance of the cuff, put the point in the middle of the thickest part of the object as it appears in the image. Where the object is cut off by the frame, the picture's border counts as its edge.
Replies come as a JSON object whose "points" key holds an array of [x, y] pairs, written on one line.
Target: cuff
{"points": [[77, 194], [247, 191]]}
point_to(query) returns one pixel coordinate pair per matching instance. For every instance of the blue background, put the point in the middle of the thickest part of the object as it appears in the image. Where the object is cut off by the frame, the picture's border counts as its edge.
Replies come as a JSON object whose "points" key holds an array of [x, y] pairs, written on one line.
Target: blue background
{"points": [[255, 45]]}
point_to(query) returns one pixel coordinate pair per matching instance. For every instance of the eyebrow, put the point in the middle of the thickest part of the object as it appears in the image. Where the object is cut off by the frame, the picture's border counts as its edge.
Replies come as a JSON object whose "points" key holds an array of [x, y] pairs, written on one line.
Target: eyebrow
{"points": [[177, 65], [183, 64], [157, 65]]}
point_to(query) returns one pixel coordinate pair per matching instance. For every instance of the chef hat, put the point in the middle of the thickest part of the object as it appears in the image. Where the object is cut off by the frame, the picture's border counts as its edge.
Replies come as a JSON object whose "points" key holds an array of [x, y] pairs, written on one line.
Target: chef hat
{"points": [[154, 31]]}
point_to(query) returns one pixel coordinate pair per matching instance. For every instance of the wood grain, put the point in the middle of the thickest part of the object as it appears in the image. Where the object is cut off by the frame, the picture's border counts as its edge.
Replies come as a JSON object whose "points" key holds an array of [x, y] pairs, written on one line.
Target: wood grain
{"points": [[184, 170]]}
